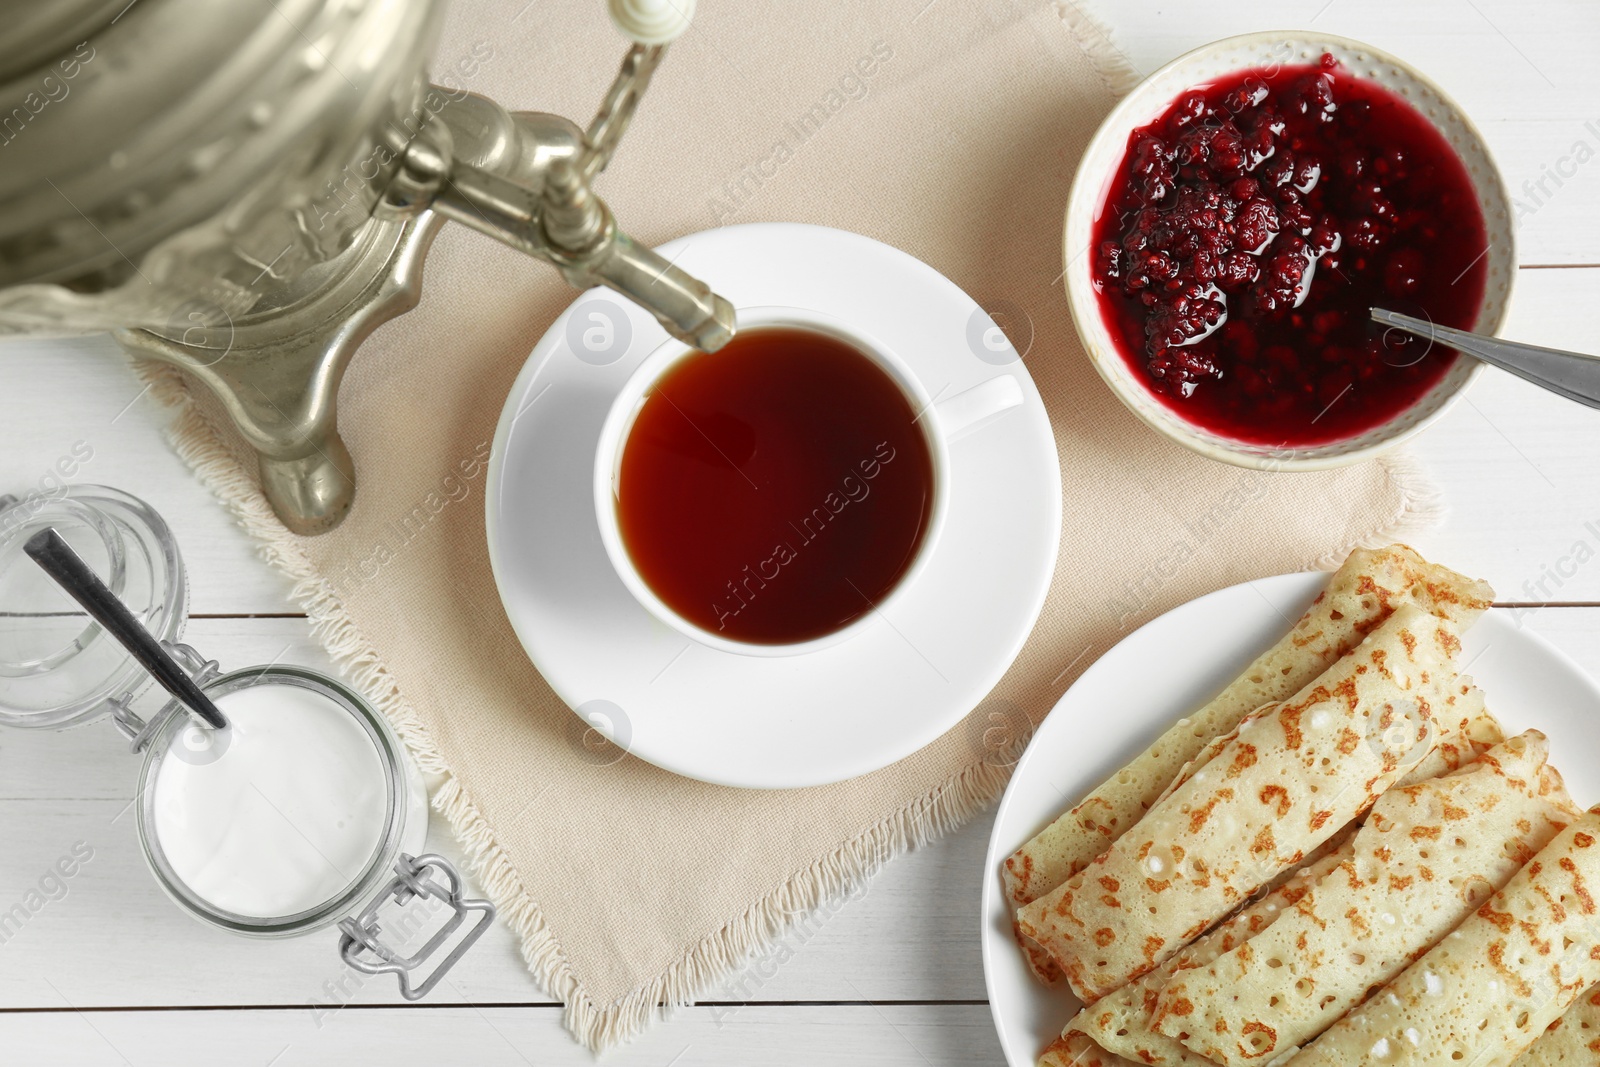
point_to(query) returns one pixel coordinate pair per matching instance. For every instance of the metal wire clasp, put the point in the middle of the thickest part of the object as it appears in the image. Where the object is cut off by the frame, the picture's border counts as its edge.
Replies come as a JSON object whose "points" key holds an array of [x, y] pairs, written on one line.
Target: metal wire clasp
{"points": [[360, 941]]}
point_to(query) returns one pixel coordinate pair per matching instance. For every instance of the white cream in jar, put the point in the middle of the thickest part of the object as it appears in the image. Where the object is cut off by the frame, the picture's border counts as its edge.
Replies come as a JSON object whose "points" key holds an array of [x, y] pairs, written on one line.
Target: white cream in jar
{"points": [[280, 813]]}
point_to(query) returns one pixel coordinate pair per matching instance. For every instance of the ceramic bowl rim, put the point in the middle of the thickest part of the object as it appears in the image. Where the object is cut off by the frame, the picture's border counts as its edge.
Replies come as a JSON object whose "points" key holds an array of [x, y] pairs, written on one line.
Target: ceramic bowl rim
{"points": [[1084, 200]]}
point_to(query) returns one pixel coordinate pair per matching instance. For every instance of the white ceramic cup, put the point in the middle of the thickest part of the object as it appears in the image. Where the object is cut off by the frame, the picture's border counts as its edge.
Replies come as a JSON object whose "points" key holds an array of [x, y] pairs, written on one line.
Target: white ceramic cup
{"points": [[941, 422]]}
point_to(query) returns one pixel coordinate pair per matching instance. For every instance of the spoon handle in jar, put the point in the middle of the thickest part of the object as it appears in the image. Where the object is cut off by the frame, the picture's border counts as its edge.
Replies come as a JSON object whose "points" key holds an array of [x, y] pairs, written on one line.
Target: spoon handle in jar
{"points": [[51, 552], [1573, 375]]}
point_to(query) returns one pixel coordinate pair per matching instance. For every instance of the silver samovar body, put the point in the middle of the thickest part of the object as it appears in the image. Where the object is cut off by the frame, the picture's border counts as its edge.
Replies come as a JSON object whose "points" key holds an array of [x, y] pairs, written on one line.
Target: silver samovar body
{"points": [[248, 189]]}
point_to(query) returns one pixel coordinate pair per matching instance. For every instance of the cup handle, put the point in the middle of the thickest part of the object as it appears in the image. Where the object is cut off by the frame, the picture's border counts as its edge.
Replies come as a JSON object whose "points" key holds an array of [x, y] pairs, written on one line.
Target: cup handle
{"points": [[964, 412]]}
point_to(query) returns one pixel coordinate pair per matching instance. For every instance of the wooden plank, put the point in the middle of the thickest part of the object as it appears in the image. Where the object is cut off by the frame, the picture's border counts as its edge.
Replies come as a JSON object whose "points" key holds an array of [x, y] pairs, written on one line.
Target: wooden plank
{"points": [[1518, 465], [107, 937], [81, 395], [814, 1036], [112, 939]]}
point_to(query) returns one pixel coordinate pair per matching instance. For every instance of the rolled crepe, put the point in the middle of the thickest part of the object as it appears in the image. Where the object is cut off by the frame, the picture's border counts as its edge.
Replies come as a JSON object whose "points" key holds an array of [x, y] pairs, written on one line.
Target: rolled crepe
{"points": [[1476, 733], [1120, 1022], [1073, 1049], [1472, 732], [1358, 597], [1289, 780], [1572, 1040], [1487, 991], [1427, 855]]}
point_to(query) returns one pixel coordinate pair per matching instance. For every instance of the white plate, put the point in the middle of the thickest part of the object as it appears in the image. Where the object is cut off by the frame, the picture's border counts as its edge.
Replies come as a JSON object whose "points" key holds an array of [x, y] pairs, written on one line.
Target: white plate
{"points": [[761, 721], [1170, 667]]}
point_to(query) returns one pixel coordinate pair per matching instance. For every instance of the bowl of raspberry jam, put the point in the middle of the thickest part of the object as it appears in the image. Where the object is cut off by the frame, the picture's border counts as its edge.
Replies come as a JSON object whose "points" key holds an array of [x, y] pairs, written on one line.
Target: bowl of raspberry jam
{"points": [[1239, 213]]}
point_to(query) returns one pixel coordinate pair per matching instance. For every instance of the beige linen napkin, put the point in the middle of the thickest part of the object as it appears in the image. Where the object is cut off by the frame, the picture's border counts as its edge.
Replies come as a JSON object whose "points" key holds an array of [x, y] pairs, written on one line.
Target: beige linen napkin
{"points": [[631, 887]]}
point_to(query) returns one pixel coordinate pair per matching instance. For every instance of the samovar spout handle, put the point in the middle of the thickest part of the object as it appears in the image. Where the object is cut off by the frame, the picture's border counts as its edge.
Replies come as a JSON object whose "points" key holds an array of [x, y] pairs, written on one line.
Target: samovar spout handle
{"points": [[682, 303], [582, 239], [541, 199]]}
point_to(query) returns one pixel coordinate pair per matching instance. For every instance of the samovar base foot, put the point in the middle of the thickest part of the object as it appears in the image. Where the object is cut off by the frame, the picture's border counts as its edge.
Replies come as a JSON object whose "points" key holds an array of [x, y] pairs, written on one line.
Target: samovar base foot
{"points": [[311, 493], [277, 371]]}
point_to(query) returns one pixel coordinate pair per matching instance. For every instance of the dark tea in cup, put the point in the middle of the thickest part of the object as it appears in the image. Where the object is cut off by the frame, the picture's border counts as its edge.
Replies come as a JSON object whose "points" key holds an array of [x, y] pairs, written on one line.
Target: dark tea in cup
{"points": [[775, 491]]}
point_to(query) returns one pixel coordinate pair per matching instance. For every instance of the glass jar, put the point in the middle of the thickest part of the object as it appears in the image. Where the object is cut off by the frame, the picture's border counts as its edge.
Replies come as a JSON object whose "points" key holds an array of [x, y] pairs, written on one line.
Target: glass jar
{"points": [[179, 745], [304, 811]]}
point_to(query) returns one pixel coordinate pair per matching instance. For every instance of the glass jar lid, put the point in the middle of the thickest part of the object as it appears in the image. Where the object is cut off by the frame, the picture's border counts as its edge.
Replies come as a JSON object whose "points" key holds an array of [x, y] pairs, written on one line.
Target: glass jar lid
{"points": [[56, 666]]}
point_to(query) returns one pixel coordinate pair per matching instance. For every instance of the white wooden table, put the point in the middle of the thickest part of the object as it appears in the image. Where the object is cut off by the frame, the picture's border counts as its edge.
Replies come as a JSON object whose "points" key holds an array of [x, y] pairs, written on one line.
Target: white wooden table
{"points": [[111, 973]]}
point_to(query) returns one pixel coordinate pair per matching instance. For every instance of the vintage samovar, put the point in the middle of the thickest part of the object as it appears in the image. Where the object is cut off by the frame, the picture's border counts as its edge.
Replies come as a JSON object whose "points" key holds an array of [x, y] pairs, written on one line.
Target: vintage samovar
{"points": [[247, 189]]}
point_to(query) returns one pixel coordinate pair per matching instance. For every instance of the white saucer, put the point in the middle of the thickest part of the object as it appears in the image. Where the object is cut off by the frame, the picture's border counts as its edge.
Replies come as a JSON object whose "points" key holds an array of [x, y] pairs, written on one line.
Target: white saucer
{"points": [[761, 721], [1201, 646]]}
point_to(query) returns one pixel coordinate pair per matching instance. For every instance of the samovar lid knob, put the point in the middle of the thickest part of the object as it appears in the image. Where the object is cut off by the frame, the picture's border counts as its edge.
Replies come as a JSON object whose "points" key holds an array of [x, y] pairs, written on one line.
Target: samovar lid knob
{"points": [[651, 21]]}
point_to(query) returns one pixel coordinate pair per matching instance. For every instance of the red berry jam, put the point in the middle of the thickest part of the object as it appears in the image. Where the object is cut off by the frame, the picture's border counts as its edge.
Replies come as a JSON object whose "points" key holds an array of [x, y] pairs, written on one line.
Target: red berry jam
{"points": [[1249, 229]]}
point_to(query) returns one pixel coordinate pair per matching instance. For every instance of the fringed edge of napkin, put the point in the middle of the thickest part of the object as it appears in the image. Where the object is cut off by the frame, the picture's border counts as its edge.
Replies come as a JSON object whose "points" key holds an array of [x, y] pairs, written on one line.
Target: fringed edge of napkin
{"points": [[1422, 506], [200, 443], [1096, 41]]}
